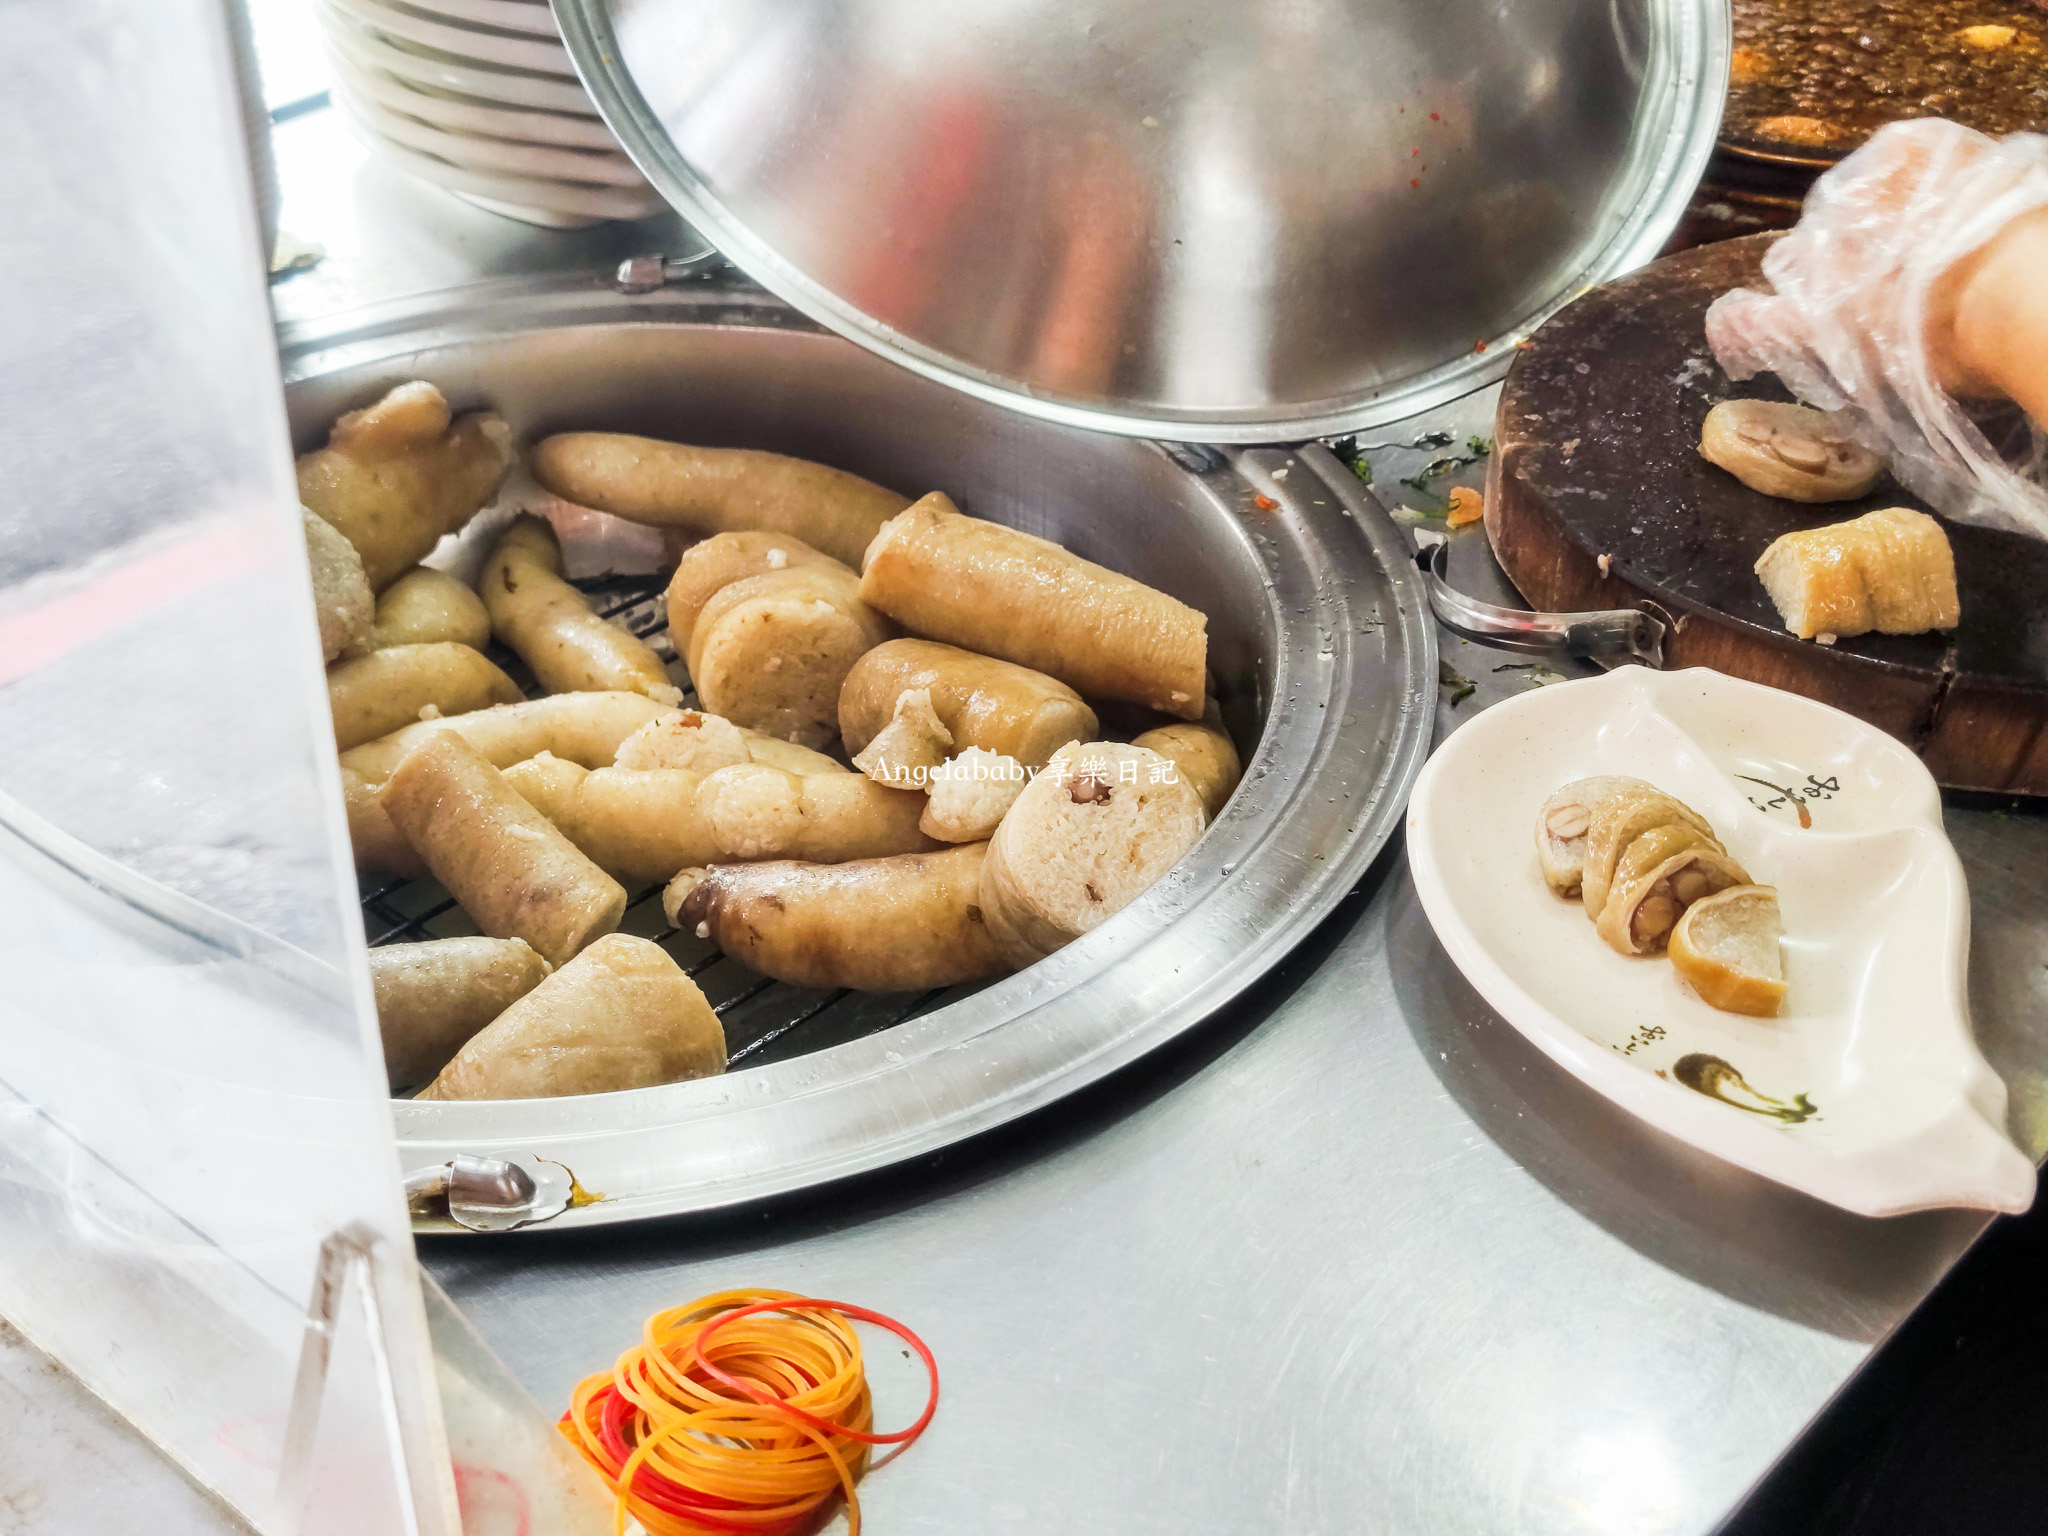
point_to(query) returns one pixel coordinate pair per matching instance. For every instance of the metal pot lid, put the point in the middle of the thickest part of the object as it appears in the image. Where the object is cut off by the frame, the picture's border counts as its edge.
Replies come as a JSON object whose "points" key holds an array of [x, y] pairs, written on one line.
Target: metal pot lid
{"points": [[1220, 220]]}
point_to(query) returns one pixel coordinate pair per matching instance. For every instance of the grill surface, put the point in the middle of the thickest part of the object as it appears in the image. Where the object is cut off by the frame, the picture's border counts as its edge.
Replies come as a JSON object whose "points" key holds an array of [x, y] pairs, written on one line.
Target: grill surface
{"points": [[764, 1020]]}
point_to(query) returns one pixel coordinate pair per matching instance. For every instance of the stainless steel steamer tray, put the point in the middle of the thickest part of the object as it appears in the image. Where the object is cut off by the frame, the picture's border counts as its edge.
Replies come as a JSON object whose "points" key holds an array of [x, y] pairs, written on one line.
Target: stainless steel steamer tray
{"points": [[1320, 642]]}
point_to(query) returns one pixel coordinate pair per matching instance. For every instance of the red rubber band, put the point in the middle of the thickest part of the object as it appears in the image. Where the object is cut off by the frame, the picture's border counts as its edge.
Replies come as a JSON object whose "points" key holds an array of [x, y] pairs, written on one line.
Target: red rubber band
{"points": [[816, 1304]]}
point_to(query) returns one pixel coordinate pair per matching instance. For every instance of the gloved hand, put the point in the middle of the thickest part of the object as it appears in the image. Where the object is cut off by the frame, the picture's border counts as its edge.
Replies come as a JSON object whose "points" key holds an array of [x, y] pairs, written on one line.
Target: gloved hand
{"points": [[1897, 292]]}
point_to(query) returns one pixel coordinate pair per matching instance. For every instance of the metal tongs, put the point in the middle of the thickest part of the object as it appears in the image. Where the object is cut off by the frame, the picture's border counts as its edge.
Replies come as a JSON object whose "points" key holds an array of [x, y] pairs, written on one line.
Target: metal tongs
{"points": [[1606, 634]]}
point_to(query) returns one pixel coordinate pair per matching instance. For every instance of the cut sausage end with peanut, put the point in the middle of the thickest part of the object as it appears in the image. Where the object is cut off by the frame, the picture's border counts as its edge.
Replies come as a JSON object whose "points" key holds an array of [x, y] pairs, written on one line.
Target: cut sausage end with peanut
{"points": [[1790, 451], [1084, 839]]}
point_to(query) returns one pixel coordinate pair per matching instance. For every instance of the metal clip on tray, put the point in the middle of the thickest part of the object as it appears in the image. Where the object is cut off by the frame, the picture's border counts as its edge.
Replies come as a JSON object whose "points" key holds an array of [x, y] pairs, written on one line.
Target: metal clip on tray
{"points": [[490, 1194]]}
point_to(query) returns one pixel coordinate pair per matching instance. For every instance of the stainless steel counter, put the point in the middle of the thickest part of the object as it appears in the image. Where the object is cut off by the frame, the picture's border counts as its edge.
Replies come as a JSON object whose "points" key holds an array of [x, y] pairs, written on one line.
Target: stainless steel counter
{"points": [[1352, 1258], [1356, 1259]]}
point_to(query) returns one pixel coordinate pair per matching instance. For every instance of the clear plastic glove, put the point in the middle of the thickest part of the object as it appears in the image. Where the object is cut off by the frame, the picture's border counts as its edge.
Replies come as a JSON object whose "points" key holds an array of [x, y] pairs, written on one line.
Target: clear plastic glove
{"points": [[1863, 318]]}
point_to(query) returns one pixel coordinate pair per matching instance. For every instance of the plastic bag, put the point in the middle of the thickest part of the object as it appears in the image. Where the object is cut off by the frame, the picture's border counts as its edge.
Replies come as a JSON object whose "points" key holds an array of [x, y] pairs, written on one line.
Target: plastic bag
{"points": [[1845, 328]]}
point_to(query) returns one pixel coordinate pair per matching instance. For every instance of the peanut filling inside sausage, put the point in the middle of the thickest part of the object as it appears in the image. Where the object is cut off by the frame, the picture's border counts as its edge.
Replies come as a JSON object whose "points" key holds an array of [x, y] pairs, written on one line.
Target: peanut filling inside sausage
{"points": [[1570, 821], [1088, 789]]}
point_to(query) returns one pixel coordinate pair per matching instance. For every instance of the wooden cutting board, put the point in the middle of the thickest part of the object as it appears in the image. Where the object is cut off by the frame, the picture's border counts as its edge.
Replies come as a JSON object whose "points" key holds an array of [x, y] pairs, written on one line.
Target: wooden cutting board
{"points": [[1596, 454]]}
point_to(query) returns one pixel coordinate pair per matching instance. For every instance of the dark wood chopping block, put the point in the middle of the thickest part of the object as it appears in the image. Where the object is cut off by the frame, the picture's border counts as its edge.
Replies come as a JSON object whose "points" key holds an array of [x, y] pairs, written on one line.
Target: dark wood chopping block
{"points": [[1598, 498]]}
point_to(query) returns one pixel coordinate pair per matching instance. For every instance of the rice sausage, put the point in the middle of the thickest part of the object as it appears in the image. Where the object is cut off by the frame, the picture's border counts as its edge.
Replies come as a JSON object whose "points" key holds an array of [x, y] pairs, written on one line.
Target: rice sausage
{"points": [[715, 490], [903, 924], [969, 795], [1564, 820], [1616, 819], [432, 997], [552, 629], [342, 602], [376, 842], [1083, 841], [637, 825], [397, 475], [907, 750], [586, 728], [1203, 754], [425, 605], [771, 652], [513, 873], [992, 589], [759, 812], [647, 824], [382, 691], [997, 706], [620, 1015], [712, 564], [693, 738]]}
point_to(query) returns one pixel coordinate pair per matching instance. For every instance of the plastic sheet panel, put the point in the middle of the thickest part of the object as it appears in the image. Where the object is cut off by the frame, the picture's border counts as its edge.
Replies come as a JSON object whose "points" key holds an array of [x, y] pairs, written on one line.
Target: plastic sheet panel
{"points": [[194, 1139]]}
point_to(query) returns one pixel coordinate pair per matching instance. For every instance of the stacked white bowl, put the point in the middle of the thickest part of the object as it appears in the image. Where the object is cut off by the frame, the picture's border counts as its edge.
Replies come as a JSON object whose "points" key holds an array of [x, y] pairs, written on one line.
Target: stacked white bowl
{"points": [[479, 97]]}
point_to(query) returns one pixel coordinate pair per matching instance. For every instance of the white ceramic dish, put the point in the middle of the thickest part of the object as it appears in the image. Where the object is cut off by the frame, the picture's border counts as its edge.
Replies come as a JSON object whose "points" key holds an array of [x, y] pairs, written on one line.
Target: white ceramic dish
{"points": [[421, 66], [530, 16], [544, 55], [1868, 1090], [555, 204], [456, 114], [526, 213], [542, 163]]}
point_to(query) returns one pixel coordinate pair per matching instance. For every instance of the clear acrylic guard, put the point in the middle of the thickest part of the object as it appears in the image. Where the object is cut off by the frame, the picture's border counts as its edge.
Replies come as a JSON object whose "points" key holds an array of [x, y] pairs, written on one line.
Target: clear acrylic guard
{"points": [[200, 1209]]}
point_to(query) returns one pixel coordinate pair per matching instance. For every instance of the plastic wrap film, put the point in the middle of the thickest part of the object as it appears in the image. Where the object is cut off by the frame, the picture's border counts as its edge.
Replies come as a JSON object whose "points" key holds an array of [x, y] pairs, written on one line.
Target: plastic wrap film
{"points": [[1845, 325], [193, 1119]]}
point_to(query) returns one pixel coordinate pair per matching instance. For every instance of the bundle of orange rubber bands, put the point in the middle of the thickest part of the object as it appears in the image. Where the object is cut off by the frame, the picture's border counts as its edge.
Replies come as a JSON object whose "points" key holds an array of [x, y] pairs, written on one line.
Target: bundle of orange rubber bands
{"points": [[745, 1411]]}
